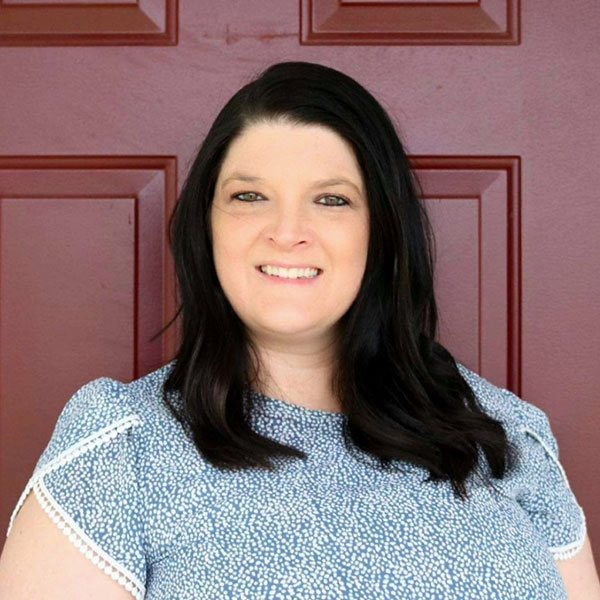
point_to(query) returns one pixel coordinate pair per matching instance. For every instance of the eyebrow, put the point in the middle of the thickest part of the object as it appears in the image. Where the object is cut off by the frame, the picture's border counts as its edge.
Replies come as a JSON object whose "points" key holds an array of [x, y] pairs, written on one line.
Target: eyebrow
{"points": [[319, 183]]}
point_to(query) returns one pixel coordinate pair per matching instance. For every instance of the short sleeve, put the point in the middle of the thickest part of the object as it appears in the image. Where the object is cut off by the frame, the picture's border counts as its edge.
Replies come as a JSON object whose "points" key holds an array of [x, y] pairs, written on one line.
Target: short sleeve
{"points": [[546, 494], [538, 483], [86, 481]]}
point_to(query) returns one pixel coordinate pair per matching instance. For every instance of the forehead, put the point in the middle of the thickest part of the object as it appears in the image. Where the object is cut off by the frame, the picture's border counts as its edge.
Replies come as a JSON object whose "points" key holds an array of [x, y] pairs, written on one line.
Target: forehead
{"points": [[274, 149]]}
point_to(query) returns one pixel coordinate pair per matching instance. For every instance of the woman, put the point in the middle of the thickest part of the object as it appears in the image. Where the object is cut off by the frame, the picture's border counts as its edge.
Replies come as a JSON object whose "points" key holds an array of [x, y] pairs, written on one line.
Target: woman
{"points": [[311, 439]]}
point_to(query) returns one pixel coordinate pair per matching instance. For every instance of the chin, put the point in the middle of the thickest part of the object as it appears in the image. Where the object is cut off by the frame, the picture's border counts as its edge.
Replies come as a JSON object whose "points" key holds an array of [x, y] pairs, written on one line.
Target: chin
{"points": [[288, 325]]}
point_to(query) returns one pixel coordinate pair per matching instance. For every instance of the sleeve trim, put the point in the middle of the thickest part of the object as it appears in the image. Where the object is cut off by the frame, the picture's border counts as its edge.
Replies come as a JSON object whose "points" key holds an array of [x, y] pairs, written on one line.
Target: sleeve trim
{"points": [[548, 451], [64, 522], [565, 551], [84, 544], [102, 436], [569, 550]]}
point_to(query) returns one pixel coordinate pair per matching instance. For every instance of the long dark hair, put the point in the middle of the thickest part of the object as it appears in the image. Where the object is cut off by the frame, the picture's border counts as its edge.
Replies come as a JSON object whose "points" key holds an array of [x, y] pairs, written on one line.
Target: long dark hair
{"points": [[403, 394]]}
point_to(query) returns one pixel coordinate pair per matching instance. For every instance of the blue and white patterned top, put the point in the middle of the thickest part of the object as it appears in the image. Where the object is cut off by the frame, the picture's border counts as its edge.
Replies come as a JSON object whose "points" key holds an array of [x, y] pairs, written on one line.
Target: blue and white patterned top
{"points": [[129, 488]]}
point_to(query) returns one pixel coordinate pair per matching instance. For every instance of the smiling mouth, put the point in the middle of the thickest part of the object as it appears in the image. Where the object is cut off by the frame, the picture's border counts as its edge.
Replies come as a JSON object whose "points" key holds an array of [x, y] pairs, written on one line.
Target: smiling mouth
{"points": [[282, 277]]}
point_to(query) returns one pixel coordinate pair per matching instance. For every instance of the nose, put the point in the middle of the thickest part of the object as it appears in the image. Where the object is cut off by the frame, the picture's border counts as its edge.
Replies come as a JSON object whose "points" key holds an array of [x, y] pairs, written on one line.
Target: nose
{"points": [[289, 225]]}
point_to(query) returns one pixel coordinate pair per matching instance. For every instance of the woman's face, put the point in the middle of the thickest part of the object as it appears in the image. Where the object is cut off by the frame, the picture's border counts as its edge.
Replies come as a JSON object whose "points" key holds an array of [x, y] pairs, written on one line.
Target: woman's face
{"points": [[271, 206]]}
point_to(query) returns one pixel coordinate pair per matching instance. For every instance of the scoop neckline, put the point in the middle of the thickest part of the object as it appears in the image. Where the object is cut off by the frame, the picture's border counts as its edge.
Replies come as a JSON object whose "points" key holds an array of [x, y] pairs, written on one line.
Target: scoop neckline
{"points": [[290, 409]]}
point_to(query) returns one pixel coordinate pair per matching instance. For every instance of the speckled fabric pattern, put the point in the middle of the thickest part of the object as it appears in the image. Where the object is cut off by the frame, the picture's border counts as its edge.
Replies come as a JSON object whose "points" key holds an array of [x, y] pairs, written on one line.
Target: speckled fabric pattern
{"points": [[122, 479]]}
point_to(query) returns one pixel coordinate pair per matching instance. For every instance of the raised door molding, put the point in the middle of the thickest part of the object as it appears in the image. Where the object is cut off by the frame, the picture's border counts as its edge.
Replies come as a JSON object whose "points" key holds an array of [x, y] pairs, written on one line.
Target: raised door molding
{"points": [[383, 22], [475, 208], [98, 23]]}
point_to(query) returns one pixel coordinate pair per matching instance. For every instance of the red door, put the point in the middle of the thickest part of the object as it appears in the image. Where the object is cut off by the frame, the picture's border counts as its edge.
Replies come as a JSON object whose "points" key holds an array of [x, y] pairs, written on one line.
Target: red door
{"points": [[104, 105]]}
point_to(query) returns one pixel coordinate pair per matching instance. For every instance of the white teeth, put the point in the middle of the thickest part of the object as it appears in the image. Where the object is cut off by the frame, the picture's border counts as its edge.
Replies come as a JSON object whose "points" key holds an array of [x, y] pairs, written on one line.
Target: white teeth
{"points": [[293, 273]]}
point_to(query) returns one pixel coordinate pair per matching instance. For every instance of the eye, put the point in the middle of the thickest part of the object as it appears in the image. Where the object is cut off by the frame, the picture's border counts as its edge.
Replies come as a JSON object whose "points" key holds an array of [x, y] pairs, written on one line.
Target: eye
{"points": [[237, 196], [344, 200]]}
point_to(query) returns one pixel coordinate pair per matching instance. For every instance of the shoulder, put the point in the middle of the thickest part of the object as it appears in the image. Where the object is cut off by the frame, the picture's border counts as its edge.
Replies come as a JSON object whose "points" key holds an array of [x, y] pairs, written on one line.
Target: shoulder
{"points": [[97, 409], [500, 403], [94, 420], [107, 404], [89, 478], [539, 483]]}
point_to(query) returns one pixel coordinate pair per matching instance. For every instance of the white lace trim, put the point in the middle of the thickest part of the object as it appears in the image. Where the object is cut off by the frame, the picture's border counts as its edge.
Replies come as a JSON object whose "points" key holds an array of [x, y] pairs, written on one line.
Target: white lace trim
{"points": [[549, 451], [97, 438], [79, 538], [81, 541], [568, 550]]}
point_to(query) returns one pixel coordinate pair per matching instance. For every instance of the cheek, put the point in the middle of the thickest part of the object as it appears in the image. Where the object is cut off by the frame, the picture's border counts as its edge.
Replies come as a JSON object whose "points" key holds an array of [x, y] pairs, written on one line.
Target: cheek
{"points": [[351, 247], [231, 244], [356, 256], [228, 241]]}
